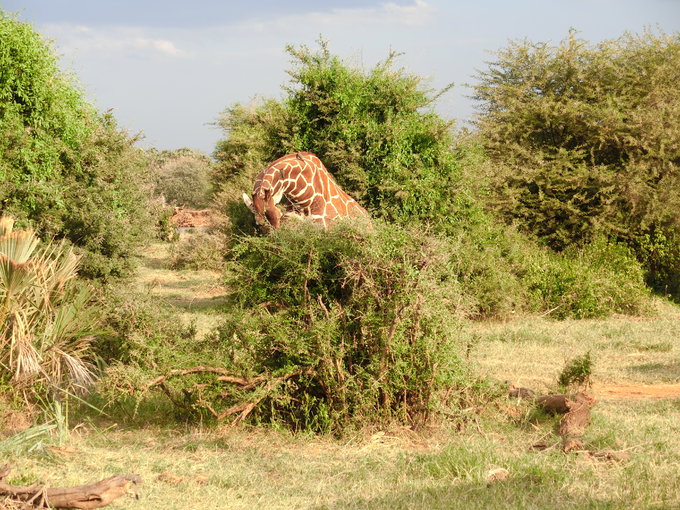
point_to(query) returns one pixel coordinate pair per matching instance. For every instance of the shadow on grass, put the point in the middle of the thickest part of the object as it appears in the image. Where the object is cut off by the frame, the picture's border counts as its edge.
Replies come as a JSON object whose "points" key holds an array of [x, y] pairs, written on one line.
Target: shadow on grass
{"points": [[666, 372], [521, 492], [196, 304], [156, 263]]}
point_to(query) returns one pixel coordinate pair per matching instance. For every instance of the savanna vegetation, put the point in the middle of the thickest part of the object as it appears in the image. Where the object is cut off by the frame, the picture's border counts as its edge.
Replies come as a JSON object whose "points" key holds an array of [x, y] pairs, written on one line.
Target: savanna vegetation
{"points": [[527, 251], [181, 177], [584, 142]]}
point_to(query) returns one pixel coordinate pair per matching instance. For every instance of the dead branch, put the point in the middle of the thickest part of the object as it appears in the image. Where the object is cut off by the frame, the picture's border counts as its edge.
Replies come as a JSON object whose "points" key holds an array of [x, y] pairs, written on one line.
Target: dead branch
{"points": [[575, 408], [246, 384], [555, 404], [95, 495], [559, 404], [182, 372], [246, 408], [574, 422], [224, 376]]}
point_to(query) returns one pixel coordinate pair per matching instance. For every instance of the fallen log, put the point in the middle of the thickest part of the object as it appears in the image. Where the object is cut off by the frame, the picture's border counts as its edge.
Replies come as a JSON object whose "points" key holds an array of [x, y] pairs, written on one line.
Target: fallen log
{"points": [[576, 411], [85, 497], [560, 404], [577, 418]]}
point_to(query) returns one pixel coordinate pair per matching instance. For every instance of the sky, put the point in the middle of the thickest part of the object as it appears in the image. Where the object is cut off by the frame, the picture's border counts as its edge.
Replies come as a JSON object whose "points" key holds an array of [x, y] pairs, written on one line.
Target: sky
{"points": [[169, 68]]}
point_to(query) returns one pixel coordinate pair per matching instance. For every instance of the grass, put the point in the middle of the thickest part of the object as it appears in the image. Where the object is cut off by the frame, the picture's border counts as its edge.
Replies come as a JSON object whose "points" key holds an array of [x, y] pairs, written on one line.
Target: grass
{"points": [[532, 351], [197, 295], [268, 469], [441, 467]]}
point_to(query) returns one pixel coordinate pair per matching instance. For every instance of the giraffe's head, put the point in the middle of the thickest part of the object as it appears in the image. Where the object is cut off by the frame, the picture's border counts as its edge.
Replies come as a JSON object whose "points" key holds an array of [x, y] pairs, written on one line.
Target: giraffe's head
{"points": [[262, 205]]}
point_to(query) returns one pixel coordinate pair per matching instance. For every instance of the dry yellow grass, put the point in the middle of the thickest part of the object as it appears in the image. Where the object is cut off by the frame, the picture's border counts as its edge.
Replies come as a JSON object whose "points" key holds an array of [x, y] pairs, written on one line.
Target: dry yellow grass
{"points": [[197, 295], [532, 351]]}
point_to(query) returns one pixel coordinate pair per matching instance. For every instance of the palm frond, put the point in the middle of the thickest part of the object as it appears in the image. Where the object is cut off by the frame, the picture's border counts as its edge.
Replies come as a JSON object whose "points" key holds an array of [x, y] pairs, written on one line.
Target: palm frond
{"points": [[6, 225], [46, 324], [24, 358], [16, 278], [80, 372], [19, 245]]}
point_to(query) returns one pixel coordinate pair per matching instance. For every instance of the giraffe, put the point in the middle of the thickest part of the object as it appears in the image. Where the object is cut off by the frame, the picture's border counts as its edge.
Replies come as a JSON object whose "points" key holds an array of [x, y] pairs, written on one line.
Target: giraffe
{"points": [[309, 188]]}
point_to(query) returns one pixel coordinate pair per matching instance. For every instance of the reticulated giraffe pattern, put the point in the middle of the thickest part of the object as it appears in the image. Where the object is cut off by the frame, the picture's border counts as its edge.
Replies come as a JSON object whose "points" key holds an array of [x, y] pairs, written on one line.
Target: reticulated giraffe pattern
{"points": [[308, 187]]}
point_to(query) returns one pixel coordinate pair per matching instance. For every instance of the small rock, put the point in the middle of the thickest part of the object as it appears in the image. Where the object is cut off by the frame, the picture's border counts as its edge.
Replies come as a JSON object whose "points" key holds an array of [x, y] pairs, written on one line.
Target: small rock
{"points": [[496, 475]]}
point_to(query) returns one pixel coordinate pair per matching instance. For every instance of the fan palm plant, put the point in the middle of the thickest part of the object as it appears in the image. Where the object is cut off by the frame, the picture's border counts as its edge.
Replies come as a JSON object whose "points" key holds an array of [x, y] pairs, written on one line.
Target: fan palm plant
{"points": [[45, 324]]}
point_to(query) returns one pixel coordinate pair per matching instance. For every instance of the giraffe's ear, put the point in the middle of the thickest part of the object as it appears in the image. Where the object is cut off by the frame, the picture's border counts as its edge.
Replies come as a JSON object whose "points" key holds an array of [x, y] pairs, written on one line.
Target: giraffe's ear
{"points": [[248, 201]]}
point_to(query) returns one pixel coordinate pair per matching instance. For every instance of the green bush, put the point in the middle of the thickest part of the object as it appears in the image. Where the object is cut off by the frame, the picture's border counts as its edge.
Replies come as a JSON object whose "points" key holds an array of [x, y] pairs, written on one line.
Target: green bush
{"points": [[140, 330], [595, 281], [377, 134], [326, 330], [577, 371], [145, 339], [367, 320], [502, 273], [585, 142], [44, 117], [182, 177], [198, 251], [66, 170]]}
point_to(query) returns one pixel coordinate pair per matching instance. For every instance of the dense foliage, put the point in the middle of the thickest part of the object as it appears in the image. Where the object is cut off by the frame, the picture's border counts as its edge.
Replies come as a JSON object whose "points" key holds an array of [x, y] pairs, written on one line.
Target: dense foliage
{"points": [[321, 333], [329, 329], [65, 169], [369, 319], [377, 133], [585, 142], [325, 330]]}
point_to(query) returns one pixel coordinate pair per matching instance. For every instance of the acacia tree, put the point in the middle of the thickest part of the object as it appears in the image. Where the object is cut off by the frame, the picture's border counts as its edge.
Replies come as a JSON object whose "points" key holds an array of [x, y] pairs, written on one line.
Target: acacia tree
{"points": [[585, 141]]}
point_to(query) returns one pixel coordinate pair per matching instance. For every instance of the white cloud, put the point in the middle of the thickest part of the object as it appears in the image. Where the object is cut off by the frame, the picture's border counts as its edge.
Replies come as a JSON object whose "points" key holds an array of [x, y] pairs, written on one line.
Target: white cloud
{"points": [[150, 42], [83, 39], [161, 45], [389, 13]]}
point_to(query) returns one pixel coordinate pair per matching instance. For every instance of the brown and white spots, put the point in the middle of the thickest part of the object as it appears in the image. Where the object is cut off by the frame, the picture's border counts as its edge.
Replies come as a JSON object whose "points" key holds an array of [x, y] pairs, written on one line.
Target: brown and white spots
{"points": [[308, 187]]}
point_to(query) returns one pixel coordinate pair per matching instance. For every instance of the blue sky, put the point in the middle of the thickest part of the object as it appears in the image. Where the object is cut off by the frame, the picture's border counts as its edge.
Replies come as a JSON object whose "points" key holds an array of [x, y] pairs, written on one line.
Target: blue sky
{"points": [[168, 68]]}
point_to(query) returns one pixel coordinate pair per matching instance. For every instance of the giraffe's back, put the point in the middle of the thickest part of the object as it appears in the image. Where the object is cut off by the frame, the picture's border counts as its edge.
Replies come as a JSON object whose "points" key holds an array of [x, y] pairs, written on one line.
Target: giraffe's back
{"points": [[311, 190]]}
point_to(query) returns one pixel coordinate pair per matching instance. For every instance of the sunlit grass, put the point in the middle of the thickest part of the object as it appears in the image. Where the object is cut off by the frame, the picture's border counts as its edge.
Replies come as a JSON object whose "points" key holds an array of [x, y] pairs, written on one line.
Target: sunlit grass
{"points": [[197, 295], [532, 351]]}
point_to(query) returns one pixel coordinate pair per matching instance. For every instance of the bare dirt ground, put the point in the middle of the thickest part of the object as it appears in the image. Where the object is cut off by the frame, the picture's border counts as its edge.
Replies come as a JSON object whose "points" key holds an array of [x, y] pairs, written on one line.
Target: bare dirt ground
{"points": [[199, 219], [637, 392]]}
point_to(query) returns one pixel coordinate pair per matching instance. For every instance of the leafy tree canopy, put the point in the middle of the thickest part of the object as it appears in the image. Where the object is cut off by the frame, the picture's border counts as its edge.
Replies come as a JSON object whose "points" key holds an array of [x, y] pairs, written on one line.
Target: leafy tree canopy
{"points": [[65, 169], [585, 141], [375, 130]]}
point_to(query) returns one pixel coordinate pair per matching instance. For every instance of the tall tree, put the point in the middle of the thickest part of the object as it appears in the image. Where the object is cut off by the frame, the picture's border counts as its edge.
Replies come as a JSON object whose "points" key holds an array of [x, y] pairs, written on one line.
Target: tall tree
{"points": [[585, 141]]}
